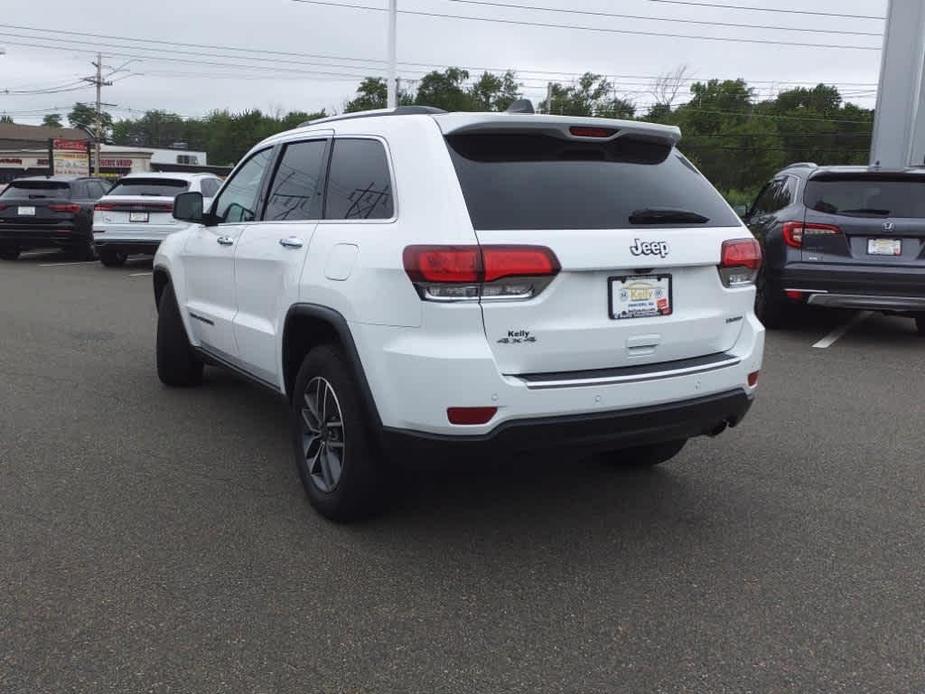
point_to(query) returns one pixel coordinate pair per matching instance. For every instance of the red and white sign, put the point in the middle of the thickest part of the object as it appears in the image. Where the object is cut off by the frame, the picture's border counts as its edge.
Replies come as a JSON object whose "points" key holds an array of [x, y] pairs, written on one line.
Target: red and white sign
{"points": [[71, 145]]}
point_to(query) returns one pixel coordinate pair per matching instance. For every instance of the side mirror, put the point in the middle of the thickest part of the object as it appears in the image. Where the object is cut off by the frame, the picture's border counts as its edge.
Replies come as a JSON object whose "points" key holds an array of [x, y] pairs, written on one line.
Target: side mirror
{"points": [[741, 210], [188, 207]]}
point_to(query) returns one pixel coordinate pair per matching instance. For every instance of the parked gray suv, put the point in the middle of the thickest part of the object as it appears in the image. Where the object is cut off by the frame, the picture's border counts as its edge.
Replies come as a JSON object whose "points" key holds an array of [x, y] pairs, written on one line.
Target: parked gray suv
{"points": [[842, 237]]}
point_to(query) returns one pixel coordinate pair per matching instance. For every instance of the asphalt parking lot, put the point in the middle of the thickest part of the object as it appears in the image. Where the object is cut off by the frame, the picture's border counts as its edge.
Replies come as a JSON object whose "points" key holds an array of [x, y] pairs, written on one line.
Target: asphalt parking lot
{"points": [[155, 540]]}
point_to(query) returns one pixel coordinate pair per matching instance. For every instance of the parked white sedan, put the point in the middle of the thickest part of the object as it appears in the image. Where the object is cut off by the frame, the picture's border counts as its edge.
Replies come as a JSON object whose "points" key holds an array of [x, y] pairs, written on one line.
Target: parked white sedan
{"points": [[137, 214]]}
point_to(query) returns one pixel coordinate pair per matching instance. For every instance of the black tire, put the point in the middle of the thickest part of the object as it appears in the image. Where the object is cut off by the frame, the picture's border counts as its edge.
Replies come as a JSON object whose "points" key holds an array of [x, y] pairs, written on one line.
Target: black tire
{"points": [[646, 456], [9, 253], [111, 258], [771, 305], [177, 363], [85, 251], [920, 324], [355, 491]]}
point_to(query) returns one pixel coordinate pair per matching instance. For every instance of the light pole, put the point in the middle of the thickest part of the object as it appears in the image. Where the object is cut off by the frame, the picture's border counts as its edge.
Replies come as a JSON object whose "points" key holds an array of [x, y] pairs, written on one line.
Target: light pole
{"points": [[392, 101]]}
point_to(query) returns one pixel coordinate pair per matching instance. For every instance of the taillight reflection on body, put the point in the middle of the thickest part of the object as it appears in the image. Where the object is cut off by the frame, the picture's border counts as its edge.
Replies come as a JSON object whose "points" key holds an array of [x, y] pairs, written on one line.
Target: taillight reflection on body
{"points": [[739, 262], [468, 273]]}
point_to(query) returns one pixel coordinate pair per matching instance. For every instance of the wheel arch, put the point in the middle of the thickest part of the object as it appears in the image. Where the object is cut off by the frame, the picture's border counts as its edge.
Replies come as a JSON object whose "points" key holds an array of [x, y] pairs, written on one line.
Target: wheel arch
{"points": [[161, 278], [310, 325]]}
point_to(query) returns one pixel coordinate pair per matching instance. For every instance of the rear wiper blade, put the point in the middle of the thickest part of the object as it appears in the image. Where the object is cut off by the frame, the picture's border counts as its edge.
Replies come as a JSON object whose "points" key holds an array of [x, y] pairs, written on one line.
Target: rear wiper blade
{"points": [[867, 210], [666, 216]]}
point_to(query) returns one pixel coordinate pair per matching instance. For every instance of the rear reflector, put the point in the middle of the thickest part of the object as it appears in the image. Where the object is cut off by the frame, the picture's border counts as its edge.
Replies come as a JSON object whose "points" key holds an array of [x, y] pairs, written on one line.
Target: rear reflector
{"points": [[467, 273], [584, 131], [753, 379], [794, 295], [71, 207], [795, 232], [739, 262], [470, 416]]}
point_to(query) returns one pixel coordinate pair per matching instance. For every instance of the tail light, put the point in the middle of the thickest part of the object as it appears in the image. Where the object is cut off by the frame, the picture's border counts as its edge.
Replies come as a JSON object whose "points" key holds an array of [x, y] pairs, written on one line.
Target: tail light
{"points": [[69, 207], [740, 262], [104, 207], [753, 379], [130, 207], [471, 273], [586, 131], [795, 232]]}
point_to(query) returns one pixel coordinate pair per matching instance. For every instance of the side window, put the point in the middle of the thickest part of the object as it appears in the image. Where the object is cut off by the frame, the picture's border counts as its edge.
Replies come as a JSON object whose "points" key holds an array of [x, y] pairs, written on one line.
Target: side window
{"points": [[238, 202], [359, 183], [209, 187], [98, 189], [296, 189], [789, 191], [768, 199]]}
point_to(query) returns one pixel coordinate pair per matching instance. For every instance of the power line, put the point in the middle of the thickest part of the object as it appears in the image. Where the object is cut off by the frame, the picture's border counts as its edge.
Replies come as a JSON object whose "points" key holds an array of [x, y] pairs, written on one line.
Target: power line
{"points": [[592, 13], [549, 25], [521, 71], [766, 9]]}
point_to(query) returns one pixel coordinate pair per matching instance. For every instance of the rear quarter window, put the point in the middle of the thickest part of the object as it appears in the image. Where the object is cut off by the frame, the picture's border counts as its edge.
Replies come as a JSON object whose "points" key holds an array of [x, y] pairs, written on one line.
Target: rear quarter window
{"points": [[528, 181]]}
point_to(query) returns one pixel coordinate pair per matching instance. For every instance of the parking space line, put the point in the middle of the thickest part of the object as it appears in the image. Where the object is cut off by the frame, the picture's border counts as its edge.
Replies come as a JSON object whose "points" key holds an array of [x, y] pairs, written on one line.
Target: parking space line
{"points": [[75, 262], [842, 330], [141, 274]]}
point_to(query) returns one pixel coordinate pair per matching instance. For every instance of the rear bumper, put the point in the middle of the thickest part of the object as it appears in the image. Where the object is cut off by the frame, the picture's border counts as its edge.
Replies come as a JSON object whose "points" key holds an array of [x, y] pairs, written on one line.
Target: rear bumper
{"points": [[53, 236], [595, 431], [127, 246], [888, 287]]}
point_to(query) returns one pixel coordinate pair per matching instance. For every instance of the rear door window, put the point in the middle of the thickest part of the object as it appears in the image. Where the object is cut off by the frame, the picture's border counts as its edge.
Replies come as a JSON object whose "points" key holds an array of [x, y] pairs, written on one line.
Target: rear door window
{"points": [[875, 195], [296, 191], [154, 187], [359, 181], [37, 190], [530, 181]]}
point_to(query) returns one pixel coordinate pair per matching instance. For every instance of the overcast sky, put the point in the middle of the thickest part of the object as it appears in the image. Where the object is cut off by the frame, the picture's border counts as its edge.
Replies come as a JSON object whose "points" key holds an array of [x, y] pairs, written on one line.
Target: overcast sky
{"points": [[237, 76]]}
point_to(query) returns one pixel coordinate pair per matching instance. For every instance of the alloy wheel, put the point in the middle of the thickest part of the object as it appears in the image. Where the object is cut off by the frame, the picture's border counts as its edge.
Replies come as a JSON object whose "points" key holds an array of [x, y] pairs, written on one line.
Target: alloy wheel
{"points": [[323, 439]]}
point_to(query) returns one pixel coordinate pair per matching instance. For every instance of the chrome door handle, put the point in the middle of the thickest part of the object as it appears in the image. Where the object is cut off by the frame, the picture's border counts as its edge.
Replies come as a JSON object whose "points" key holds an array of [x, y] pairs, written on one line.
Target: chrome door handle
{"points": [[291, 242], [225, 241]]}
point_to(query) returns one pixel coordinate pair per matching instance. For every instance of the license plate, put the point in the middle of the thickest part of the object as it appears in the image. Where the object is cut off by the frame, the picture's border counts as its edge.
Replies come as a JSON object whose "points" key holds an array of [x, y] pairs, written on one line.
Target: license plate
{"points": [[640, 296], [138, 216], [884, 247], [27, 211]]}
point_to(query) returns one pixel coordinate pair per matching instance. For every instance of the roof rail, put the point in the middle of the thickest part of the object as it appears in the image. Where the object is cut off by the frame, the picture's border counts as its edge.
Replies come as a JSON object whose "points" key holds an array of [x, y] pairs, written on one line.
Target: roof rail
{"points": [[398, 111]]}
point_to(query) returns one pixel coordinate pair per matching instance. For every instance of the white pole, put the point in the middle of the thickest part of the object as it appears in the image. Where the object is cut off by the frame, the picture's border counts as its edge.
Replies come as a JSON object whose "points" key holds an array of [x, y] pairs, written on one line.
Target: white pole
{"points": [[393, 67]]}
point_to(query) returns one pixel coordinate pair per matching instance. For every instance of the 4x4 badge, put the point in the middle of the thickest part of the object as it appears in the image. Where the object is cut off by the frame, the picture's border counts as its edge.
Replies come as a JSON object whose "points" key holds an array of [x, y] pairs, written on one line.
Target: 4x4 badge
{"points": [[517, 337]]}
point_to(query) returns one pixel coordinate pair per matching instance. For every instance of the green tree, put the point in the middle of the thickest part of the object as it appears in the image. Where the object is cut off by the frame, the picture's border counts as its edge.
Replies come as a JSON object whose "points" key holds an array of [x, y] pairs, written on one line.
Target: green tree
{"points": [[6, 119], [372, 93], [445, 90], [591, 95], [52, 120], [84, 116], [494, 92]]}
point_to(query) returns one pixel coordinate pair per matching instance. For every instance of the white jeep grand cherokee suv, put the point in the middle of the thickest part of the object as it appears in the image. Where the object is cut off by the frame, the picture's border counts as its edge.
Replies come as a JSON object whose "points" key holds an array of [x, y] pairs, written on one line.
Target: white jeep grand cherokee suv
{"points": [[414, 279], [137, 214]]}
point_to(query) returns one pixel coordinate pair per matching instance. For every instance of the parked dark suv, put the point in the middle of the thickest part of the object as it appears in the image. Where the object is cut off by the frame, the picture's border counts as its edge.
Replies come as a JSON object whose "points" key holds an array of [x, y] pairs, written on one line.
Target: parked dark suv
{"points": [[49, 212], [841, 236]]}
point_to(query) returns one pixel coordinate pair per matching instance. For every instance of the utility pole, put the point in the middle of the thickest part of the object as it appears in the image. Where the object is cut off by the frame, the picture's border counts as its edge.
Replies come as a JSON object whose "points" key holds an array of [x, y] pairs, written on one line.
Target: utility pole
{"points": [[393, 55], [99, 82], [548, 98]]}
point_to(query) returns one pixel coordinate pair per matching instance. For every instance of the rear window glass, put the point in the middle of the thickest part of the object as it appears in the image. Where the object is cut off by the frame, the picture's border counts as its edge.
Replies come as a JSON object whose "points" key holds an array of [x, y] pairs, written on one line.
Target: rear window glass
{"points": [[526, 181], [37, 189], [873, 196], [163, 187]]}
